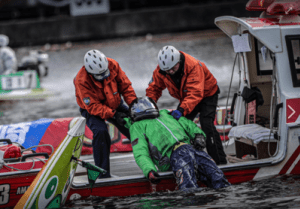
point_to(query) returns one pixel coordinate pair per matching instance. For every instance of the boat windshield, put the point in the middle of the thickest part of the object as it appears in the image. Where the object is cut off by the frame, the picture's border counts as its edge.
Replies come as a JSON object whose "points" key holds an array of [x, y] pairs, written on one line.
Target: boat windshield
{"points": [[293, 46], [264, 59]]}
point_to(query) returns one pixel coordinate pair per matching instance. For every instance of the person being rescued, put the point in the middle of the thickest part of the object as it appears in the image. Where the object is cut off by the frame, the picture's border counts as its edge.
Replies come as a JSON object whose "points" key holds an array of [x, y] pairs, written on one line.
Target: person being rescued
{"points": [[160, 141]]}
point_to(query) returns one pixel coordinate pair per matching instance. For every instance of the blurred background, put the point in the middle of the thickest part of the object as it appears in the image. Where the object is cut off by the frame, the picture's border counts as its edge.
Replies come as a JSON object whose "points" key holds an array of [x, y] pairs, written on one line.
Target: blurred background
{"points": [[36, 22], [129, 31]]}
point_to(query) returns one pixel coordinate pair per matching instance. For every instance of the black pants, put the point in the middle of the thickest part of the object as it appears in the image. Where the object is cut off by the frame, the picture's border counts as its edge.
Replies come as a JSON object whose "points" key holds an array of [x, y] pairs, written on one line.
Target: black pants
{"points": [[101, 139], [207, 109]]}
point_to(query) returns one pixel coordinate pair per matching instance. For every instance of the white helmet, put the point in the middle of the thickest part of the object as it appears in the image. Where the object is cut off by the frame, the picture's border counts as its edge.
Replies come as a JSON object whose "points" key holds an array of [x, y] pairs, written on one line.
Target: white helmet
{"points": [[168, 57], [4, 40], [96, 63]]}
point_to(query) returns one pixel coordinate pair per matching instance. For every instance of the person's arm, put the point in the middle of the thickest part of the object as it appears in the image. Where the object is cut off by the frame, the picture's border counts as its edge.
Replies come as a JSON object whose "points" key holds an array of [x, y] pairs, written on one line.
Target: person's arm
{"points": [[92, 105], [156, 86], [190, 127], [152, 176], [196, 135], [140, 149], [124, 85], [195, 89]]}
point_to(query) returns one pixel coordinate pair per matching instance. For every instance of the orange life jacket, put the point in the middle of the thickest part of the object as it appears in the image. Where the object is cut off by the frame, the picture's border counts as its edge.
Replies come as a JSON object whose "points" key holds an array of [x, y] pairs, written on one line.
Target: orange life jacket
{"points": [[197, 83], [103, 98]]}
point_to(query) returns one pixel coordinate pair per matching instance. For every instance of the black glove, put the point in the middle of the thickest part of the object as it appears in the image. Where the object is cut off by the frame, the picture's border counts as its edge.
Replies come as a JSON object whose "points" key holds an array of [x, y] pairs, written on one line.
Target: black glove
{"points": [[153, 177], [123, 107], [119, 117], [199, 142], [133, 102]]}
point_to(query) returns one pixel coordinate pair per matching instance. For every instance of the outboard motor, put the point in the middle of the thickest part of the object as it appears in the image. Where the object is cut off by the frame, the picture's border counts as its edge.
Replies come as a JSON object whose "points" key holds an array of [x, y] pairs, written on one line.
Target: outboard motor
{"points": [[36, 60]]}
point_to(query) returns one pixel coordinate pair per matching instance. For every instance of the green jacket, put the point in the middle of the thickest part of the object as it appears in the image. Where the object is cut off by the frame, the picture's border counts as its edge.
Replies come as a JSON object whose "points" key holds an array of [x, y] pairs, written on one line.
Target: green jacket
{"points": [[153, 140]]}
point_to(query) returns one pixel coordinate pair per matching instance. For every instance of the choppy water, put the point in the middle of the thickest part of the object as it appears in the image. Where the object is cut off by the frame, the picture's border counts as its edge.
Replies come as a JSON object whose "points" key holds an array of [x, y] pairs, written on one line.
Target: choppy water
{"points": [[137, 57], [280, 192]]}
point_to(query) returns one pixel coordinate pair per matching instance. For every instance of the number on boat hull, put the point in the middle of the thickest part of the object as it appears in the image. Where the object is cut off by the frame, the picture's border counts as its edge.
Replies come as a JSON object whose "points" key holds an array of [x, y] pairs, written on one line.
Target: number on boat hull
{"points": [[4, 194]]}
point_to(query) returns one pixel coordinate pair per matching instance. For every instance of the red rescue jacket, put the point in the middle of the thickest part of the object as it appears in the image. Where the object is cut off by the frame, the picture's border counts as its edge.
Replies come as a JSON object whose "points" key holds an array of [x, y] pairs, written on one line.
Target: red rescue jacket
{"points": [[102, 98], [197, 83]]}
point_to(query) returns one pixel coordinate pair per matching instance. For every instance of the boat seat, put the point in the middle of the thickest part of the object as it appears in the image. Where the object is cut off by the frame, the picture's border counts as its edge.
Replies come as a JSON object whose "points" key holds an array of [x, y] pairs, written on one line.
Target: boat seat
{"points": [[254, 132], [253, 139]]}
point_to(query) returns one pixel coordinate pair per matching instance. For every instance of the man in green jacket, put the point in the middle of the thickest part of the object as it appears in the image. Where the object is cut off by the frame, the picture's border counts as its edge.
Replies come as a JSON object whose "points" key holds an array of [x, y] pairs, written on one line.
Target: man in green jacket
{"points": [[162, 143]]}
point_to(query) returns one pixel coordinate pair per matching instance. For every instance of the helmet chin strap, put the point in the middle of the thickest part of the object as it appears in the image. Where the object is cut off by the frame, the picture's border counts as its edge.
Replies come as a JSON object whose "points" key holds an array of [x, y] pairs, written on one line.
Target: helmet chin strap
{"points": [[99, 79], [104, 77]]}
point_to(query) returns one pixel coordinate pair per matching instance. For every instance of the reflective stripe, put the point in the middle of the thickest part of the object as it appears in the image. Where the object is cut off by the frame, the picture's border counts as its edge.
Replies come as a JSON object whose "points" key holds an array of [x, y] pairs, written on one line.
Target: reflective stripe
{"points": [[167, 129]]}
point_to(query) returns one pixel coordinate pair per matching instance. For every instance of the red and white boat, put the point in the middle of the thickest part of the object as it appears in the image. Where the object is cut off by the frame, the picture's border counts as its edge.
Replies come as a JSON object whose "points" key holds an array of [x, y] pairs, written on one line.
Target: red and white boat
{"points": [[264, 140], [26, 147], [264, 117]]}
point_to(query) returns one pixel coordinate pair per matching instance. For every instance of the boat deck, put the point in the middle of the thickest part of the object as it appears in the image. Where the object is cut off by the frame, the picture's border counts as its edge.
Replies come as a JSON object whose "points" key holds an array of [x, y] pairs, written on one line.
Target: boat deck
{"points": [[121, 164], [124, 167], [241, 153]]}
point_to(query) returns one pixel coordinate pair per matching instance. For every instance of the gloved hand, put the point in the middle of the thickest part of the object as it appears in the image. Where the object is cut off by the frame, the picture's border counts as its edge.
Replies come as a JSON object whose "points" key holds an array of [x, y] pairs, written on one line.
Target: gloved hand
{"points": [[177, 113], [133, 102], [119, 117], [130, 106], [153, 177], [123, 108], [199, 142]]}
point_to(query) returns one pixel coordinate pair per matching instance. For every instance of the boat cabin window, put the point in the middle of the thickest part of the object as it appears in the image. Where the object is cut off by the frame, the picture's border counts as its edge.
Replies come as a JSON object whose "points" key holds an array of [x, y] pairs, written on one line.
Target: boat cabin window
{"points": [[293, 46], [264, 60]]}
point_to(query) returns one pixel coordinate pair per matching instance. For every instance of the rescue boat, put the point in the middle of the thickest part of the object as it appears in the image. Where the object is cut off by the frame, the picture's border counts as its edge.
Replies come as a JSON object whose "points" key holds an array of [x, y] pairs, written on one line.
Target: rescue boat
{"points": [[261, 130], [263, 123], [25, 149]]}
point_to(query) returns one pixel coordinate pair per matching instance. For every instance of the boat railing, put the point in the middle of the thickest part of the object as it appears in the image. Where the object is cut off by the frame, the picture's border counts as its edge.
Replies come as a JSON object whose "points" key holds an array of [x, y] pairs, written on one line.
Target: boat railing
{"points": [[26, 161]]}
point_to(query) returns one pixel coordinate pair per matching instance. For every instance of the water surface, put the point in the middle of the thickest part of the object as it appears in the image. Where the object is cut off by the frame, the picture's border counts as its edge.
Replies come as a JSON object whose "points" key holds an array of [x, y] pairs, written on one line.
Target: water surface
{"points": [[137, 56], [279, 192]]}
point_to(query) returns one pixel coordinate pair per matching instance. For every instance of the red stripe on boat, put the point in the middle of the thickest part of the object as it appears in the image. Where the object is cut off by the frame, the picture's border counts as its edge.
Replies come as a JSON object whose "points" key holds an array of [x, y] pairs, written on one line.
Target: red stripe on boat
{"points": [[239, 176], [290, 161]]}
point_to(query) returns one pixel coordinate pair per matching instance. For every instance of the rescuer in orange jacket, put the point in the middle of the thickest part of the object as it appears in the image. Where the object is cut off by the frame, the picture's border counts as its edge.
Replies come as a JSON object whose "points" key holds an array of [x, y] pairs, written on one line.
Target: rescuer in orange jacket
{"points": [[99, 85], [189, 80]]}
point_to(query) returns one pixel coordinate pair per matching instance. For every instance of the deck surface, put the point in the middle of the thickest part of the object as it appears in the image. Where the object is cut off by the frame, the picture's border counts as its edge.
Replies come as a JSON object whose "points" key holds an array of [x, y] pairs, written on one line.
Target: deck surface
{"points": [[121, 165]]}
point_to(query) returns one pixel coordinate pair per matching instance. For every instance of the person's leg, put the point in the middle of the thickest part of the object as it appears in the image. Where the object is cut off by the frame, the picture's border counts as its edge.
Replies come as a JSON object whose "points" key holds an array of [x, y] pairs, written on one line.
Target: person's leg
{"points": [[121, 128], [208, 172], [207, 108], [206, 120], [101, 141], [182, 163]]}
